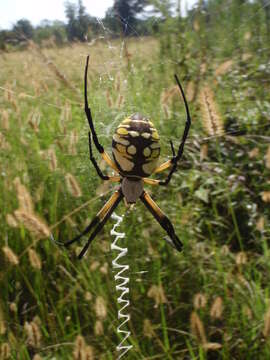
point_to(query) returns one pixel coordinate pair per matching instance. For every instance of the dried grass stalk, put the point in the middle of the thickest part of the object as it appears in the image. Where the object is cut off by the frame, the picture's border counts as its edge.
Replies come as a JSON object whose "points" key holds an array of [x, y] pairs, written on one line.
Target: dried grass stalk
{"points": [[73, 186], [33, 333], [157, 293], [34, 259], [267, 158], [32, 223], [265, 196], [5, 120], [148, 329], [10, 255], [3, 328], [11, 221], [100, 307], [199, 301], [197, 328], [23, 196], [266, 327], [216, 310], [223, 68], [212, 120], [98, 329], [5, 351]]}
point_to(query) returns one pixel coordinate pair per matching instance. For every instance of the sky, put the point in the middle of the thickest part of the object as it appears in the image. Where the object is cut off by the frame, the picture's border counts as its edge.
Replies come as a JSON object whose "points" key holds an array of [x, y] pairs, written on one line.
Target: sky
{"points": [[37, 10]]}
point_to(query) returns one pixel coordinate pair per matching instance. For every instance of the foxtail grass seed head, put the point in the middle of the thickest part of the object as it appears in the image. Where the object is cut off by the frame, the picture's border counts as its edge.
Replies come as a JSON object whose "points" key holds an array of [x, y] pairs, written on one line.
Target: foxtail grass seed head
{"points": [[211, 117], [266, 327], [156, 292], [33, 334], [148, 330], [199, 301], [32, 223], [24, 198], [203, 152], [34, 259], [73, 140], [223, 68], [253, 153], [95, 264], [267, 158], [37, 357], [13, 307], [216, 310], [5, 120], [88, 296], [52, 159], [100, 308], [10, 255], [197, 328], [5, 351], [211, 346], [11, 221], [79, 346], [104, 269], [265, 196], [260, 224], [241, 258], [73, 186], [190, 91], [98, 329], [2, 322]]}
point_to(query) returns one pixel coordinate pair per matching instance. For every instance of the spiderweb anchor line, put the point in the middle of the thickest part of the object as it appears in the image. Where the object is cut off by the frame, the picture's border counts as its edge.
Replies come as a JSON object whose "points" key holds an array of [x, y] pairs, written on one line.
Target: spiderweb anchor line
{"points": [[121, 285]]}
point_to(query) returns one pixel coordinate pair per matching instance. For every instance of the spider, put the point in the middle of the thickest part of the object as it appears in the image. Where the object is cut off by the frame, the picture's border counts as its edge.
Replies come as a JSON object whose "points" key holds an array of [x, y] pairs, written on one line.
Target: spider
{"points": [[135, 149]]}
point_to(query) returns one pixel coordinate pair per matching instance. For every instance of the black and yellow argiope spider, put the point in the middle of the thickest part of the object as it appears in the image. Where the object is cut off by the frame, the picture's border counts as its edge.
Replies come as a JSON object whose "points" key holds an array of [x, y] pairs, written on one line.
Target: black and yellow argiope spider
{"points": [[136, 150]]}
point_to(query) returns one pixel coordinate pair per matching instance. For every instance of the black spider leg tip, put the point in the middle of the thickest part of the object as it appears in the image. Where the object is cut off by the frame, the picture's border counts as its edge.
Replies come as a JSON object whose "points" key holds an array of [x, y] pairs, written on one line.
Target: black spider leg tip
{"points": [[88, 111], [162, 219], [176, 158], [55, 241], [84, 232]]}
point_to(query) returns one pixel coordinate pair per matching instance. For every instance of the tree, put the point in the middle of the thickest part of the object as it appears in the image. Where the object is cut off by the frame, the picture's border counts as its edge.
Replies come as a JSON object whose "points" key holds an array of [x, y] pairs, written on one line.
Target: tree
{"points": [[23, 30], [78, 21], [126, 11]]}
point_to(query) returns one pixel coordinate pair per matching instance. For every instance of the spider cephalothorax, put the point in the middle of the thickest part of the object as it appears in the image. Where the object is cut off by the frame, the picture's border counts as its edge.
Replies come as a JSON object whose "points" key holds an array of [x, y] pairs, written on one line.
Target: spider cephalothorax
{"points": [[136, 149]]}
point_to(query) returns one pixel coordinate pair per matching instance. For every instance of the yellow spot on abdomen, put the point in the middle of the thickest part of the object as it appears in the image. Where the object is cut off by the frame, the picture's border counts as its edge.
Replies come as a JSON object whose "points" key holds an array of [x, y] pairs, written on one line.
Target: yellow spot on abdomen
{"points": [[126, 121], [155, 135], [132, 150], [147, 152], [121, 148], [134, 133], [122, 131]]}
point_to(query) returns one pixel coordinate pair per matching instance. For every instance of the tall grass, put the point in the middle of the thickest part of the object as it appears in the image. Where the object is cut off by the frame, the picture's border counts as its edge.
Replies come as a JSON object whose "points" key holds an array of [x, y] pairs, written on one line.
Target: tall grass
{"points": [[209, 302]]}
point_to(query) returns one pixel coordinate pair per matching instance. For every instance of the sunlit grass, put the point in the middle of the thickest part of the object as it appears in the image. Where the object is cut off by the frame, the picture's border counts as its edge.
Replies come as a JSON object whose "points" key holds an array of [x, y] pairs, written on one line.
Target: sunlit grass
{"points": [[210, 300]]}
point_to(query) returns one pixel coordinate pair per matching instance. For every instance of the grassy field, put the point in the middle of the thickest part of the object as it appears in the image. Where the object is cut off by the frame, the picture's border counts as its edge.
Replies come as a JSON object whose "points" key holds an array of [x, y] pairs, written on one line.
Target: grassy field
{"points": [[209, 302]]}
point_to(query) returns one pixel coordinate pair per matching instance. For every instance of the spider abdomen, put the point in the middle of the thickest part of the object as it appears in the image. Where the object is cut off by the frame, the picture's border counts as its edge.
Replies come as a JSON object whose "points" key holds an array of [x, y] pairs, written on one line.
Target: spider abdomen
{"points": [[135, 146]]}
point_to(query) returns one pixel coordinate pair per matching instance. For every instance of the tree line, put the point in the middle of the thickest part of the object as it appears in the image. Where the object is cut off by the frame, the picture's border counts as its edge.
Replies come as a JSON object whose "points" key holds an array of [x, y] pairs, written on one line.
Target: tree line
{"points": [[206, 22], [80, 25]]}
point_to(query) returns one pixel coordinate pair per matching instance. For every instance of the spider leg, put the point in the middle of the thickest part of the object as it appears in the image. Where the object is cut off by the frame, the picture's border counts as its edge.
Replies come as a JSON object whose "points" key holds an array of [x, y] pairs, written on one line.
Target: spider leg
{"points": [[100, 225], [99, 220], [176, 157], [87, 109], [161, 218], [93, 160]]}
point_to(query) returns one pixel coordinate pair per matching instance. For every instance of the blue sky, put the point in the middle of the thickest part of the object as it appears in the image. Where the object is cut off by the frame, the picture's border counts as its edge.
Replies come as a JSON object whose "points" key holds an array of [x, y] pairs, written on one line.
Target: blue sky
{"points": [[37, 10]]}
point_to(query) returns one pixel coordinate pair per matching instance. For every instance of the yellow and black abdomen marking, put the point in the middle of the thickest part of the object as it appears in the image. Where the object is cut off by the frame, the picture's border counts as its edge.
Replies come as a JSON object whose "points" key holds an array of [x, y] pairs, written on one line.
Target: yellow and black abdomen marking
{"points": [[135, 146]]}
